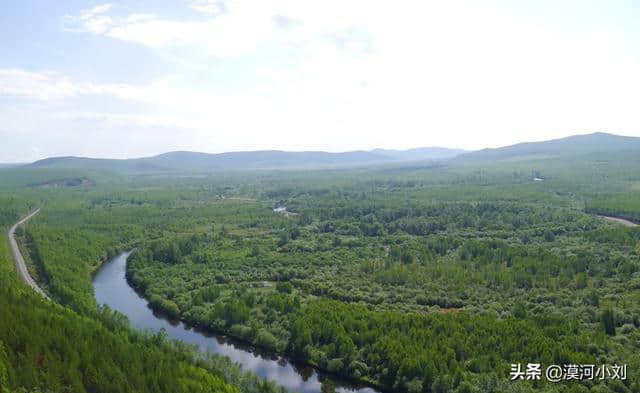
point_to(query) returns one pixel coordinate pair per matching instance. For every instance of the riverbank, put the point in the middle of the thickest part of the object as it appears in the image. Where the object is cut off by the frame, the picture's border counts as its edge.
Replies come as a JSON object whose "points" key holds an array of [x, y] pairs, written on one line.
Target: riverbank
{"points": [[244, 344], [112, 288], [118, 251]]}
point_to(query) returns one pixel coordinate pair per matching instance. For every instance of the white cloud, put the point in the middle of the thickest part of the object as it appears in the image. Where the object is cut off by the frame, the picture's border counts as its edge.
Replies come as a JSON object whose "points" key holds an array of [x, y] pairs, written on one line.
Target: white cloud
{"points": [[209, 7], [230, 27], [41, 86], [48, 86], [336, 75], [91, 20], [97, 10]]}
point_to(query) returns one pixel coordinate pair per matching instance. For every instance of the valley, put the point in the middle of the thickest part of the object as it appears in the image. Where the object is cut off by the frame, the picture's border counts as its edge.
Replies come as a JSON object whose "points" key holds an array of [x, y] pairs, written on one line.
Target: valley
{"points": [[231, 196], [418, 278]]}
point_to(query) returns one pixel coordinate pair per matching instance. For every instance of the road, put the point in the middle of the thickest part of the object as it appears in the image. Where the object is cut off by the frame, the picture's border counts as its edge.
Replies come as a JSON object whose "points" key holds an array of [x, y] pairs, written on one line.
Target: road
{"points": [[17, 256], [622, 221]]}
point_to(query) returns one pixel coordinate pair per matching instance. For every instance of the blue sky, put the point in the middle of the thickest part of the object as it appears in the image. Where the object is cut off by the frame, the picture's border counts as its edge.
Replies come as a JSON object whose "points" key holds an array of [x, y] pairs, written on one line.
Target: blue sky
{"points": [[128, 79]]}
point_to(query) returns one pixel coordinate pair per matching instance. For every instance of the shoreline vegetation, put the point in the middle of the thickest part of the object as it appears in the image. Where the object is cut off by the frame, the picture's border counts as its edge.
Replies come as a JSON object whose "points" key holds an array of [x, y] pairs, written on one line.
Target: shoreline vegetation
{"points": [[53, 359], [216, 366], [242, 341], [232, 307]]}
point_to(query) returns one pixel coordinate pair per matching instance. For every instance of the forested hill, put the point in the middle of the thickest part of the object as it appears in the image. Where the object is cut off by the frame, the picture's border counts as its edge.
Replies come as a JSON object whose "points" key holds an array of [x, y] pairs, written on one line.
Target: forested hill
{"points": [[47, 347], [267, 159], [178, 161], [70, 162], [570, 146], [421, 153], [56, 346], [263, 159]]}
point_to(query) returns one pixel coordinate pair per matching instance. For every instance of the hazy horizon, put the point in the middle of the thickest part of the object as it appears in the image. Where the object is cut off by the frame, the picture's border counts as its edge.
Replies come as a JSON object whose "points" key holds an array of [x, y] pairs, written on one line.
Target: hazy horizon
{"points": [[137, 79], [309, 151], [242, 151]]}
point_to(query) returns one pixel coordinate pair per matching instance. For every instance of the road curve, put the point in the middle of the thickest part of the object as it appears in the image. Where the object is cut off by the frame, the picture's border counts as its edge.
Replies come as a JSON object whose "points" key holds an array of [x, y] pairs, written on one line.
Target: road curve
{"points": [[622, 221], [17, 256]]}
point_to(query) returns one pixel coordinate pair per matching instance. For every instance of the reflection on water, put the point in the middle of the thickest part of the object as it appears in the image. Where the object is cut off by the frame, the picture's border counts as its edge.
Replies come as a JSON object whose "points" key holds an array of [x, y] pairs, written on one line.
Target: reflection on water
{"points": [[111, 288]]}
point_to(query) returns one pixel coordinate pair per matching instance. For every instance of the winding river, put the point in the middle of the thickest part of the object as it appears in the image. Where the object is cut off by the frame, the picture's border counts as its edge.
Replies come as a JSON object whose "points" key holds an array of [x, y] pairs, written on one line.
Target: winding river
{"points": [[111, 288]]}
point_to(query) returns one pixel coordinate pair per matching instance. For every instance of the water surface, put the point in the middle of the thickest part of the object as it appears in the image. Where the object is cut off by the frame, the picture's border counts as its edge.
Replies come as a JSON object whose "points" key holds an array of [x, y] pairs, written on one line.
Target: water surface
{"points": [[111, 288]]}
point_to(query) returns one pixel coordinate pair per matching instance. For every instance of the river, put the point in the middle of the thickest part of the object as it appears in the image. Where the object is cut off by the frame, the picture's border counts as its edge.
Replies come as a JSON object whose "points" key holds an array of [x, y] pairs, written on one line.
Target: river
{"points": [[111, 288]]}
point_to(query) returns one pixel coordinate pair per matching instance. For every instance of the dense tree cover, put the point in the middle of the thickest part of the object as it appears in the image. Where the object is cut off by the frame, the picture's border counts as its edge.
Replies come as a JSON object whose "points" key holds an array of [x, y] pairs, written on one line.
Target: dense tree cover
{"points": [[54, 349], [502, 266], [408, 351], [623, 205], [264, 297], [48, 347], [49, 179], [416, 279]]}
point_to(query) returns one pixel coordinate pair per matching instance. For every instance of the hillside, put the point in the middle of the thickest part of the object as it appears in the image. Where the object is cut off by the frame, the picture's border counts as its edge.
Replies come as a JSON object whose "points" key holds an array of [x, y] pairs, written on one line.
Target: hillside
{"points": [[266, 159], [47, 347], [433, 153], [275, 159], [132, 165], [570, 146]]}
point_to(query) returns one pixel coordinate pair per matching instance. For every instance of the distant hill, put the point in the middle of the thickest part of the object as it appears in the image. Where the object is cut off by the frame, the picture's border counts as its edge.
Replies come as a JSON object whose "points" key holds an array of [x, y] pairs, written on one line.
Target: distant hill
{"points": [[276, 159], [433, 153], [598, 142], [131, 165], [266, 159]]}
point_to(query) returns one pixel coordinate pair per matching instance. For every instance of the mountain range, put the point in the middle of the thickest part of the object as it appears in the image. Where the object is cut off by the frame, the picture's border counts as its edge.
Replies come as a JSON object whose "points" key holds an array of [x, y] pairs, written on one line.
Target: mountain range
{"points": [[265, 159], [276, 159], [598, 142]]}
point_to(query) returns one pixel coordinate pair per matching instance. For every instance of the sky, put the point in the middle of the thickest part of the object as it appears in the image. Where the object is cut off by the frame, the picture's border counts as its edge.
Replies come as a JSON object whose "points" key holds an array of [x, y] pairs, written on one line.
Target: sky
{"points": [[131, 79]]}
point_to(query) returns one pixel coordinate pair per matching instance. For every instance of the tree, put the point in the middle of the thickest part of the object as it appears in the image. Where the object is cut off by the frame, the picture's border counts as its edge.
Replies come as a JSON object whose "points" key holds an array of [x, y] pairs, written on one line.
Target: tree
{"points": [[607, 320], [465, 387], [519, 310], [441, 384], [3, 370], [549, 236], [284, 238], [305, 218], [328, 386], [284, 287], [255, 251]]}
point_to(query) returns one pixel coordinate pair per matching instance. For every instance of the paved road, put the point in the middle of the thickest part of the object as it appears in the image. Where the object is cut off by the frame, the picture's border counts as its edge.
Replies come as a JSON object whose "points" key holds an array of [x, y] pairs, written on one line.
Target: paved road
{"points": [[17, 256], [622, 221]]}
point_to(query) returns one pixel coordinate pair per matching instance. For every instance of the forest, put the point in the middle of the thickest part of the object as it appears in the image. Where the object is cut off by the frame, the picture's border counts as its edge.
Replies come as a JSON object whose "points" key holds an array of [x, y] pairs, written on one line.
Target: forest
{"points": [[417, 279], [49, 347]]}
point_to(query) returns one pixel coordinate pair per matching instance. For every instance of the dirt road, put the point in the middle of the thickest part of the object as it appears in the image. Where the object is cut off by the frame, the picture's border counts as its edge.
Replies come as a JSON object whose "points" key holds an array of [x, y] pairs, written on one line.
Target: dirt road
{"points": [[17, 255], [622, 221]]}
